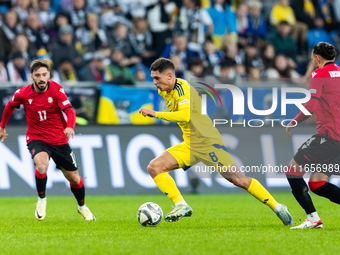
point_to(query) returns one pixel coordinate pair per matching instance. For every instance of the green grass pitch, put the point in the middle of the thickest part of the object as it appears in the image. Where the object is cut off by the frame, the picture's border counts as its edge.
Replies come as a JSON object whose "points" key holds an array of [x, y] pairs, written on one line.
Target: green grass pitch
{"points": [[221, 224]]}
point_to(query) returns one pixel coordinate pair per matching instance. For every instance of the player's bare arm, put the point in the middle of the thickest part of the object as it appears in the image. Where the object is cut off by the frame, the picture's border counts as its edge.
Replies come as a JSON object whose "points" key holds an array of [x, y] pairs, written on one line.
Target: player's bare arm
{"points": [[3, 134], [291, 125], [69, 132], [147, 112]]}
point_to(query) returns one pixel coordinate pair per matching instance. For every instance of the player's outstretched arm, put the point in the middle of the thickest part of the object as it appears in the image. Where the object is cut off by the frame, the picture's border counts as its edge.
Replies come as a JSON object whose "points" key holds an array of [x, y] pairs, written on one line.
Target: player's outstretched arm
{"points": [[147, 112], [5, 117]]}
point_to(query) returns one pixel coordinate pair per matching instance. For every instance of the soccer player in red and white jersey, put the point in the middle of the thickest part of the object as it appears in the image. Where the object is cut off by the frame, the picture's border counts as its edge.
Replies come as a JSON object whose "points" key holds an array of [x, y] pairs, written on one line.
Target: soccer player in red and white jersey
{"points": [[48, 133], [320, 154]]}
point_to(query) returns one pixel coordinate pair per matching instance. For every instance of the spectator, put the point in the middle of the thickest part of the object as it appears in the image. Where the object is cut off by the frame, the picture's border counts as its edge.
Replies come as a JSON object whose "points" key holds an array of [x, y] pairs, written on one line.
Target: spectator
{"points": [[22, 44], [106, 50], [8, 32], [62, 18], [249, 57], [229, 49], [120, 74], [67, 71], [242, 19], [119, 38], [160, 18], [268, 56], [78, 13], [3, 71], [283, 42], [212, 57], [91, 37], [22, 9], [64, 49], [196, 68], [254, 72], [227, 70], [304, 11], [17, 70], [281, 70], [35, 33], [179, 67], [142, 41], [282, 12], [140, 75], [95, 70], [108, 17], [224, 21], [324, 10], [257, 27], [46, 14], [193, 19], [179, 47], [135, 8]]}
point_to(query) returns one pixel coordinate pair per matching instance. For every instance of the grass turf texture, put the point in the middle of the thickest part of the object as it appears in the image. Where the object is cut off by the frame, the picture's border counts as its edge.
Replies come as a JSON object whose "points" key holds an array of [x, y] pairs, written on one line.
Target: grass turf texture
{"points": [[221, 224]]}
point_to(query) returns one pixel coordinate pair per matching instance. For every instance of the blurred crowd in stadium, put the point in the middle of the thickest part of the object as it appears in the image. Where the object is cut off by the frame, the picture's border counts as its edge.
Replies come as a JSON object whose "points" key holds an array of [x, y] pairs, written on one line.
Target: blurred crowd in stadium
{"points": [[115, 41]]}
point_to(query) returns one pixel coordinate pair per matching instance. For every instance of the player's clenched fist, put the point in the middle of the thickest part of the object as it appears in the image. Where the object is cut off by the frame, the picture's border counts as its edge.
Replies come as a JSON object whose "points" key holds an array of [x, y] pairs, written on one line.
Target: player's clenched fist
{"points": [[69, 132], [147, 112], [3, 134]]}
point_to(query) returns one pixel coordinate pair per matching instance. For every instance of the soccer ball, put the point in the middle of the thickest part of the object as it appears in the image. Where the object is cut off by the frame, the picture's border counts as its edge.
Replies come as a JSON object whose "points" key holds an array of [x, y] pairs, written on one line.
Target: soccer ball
{"points": [[149, 214]]}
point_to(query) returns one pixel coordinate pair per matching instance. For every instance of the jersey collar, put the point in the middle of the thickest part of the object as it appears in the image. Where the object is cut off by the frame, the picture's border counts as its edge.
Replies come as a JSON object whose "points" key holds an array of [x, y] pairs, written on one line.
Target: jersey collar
{"points": [[328, 63]]}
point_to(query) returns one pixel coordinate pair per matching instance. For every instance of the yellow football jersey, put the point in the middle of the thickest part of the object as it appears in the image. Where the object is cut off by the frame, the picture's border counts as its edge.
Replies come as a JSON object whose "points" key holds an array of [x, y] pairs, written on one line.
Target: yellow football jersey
{"points": [[184, 105]]}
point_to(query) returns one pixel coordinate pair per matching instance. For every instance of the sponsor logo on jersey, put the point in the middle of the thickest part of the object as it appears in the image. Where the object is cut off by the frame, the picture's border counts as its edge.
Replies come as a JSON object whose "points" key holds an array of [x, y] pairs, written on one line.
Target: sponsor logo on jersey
{"points": [[66, 102], [312, 91], [313, 74], [334, 73], [62, 91], [183, 101], [50, 100], [30, 101]]}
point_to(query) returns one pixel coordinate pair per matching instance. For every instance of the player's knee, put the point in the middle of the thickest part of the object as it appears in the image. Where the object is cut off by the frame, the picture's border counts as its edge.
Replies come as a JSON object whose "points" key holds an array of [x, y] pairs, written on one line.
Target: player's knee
{"points": [[42, 168], [154, 169]]}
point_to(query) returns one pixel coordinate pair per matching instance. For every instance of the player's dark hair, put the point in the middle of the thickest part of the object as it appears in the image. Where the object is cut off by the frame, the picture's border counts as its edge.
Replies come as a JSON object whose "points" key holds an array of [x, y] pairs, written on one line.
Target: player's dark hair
{"points": [[325, 50], [36, 64], [162, 64]]}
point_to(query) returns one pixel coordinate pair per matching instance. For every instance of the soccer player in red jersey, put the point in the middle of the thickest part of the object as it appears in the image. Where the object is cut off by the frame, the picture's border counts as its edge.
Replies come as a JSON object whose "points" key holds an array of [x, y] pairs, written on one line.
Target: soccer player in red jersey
{"points": [[320, 154], [48, 133]]}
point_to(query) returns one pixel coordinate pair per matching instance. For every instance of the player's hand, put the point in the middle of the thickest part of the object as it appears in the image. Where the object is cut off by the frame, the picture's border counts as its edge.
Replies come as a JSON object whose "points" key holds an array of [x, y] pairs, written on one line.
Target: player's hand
{"points": [[291, 125], [3, 134], [69, 132], [147, 112]]}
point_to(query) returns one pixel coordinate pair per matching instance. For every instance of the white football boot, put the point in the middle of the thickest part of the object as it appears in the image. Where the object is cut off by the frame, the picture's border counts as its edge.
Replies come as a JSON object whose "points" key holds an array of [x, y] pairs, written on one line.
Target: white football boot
{"points": [[284, 215], [308, 224], [40, 211], [85, 212], [178, 212]]}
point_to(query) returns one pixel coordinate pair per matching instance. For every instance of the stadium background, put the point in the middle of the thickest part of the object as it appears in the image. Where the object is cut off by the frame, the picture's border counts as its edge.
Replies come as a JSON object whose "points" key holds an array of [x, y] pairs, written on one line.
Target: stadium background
{"points": [[101, 52]]}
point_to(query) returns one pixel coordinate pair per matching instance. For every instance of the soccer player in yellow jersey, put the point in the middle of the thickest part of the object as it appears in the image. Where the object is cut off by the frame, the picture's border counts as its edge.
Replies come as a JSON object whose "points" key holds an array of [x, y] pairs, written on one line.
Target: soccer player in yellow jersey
{"points": [[202, 143]]}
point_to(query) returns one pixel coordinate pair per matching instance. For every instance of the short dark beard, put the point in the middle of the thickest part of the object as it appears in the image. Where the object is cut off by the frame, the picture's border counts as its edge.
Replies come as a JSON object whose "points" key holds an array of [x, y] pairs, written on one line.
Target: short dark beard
{"points": [[40, 89]]}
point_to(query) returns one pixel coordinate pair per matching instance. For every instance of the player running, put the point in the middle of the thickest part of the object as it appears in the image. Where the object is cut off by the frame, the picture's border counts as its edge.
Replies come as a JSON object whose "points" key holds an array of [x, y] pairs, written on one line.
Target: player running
{"points": [[202, 142], [48, 133], [320, 154]]}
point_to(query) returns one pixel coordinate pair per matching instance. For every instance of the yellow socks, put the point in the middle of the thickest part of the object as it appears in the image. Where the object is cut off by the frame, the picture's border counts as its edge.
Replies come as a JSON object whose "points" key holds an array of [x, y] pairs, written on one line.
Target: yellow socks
{"points": [[168, 186], [258, 191]]}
